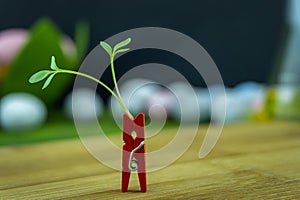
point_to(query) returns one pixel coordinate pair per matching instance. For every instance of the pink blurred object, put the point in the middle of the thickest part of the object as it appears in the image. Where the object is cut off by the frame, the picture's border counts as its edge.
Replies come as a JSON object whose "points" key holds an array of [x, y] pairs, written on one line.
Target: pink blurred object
{"points": [[68, 47], [11, 42]]}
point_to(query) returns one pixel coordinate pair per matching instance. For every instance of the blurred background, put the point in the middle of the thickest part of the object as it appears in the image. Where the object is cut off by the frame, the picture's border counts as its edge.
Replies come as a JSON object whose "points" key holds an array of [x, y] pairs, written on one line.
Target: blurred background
{"points": [[255, 45]]}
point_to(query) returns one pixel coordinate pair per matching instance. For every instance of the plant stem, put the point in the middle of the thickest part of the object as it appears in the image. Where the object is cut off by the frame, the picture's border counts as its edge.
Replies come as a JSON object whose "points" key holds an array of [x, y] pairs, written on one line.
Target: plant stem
{"points": [[118, 97], [114, 75]]}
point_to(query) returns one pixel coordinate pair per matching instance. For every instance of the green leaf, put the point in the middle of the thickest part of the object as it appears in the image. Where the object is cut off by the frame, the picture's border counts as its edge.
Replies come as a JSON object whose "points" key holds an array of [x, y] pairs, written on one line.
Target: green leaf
{"points": [[122, 50], [53, 63], [106, 47], [47, 82], [82, 35], [122, 44], [39, 76]]}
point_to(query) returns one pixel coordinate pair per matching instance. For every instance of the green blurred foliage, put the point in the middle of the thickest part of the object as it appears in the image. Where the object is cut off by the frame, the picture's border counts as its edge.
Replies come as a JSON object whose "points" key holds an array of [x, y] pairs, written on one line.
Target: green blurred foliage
{"points": [[82, 38], [270, 102], [45, 41]]}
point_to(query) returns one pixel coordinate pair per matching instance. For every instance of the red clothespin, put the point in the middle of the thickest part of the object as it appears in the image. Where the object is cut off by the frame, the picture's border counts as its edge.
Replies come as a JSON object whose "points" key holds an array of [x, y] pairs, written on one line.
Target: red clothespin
{"points": [[133, 157]]}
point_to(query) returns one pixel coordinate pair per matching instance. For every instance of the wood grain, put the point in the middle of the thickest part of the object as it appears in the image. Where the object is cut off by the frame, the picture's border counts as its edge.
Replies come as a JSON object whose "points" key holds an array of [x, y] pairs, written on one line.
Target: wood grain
{"points": [[251, 161]]}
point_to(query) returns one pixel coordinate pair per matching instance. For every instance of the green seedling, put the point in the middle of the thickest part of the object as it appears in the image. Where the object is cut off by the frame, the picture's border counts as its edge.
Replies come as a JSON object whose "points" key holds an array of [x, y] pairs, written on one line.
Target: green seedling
{"points": [[112, 52]]}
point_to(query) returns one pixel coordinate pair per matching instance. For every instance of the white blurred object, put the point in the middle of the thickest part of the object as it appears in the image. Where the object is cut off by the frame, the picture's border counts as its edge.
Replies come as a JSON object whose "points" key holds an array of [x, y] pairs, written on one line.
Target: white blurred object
{"points": [[285, 94], [187, 109], [135, 94], [294, 13], [141, 95], [21, 112], [290, 70], [139, 98], [116, 110], [287, 101], [160, 104], [231, 103], [203, 98], [246, 98], [83, 104], [235, 109], [252, 95]]}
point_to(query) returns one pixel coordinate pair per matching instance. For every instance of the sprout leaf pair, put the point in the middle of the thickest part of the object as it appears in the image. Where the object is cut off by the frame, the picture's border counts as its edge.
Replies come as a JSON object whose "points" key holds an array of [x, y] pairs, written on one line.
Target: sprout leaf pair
{"points": [[41, 75], [117, 49]]}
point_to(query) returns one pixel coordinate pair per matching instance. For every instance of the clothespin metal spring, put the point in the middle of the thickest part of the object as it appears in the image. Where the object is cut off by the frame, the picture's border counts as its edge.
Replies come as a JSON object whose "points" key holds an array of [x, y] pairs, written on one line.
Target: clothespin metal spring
{"points": [[133, 164]]}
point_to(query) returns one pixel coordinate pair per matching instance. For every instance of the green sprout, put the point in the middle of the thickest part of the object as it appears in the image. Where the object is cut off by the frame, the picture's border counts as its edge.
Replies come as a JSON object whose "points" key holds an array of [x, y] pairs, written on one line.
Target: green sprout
{"points": [[112, 52]]}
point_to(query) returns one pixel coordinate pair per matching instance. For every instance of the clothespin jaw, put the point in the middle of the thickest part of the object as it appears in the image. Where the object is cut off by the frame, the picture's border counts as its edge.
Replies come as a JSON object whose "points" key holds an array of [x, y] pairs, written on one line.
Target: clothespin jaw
{"points": [[133, 150]]}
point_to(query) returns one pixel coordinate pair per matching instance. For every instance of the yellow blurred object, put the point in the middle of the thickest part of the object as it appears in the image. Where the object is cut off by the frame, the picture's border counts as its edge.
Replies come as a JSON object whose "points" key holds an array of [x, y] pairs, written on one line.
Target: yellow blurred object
{"points": [[268, 111]]}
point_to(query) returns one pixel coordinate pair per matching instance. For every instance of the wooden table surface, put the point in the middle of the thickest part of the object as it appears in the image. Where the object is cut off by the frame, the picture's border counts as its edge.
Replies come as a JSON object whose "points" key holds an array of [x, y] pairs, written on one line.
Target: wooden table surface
{"points": [[250, 161]]}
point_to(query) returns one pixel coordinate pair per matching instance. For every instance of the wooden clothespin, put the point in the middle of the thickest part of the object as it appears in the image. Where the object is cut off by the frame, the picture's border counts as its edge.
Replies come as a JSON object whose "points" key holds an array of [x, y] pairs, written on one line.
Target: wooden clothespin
{"points": [[133, 157]]}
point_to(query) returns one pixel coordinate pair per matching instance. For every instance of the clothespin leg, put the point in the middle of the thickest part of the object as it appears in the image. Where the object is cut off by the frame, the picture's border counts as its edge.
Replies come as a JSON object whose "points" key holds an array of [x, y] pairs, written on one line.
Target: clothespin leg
{"points": [[125, 171], [142, 179], [125, 181], [142, 169], [140, 154], [127, 148]]}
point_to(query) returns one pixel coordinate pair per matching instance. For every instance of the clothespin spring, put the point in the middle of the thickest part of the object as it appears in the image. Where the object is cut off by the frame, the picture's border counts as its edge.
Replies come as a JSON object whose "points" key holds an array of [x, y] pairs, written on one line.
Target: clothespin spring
{"points": [[133, 164]]}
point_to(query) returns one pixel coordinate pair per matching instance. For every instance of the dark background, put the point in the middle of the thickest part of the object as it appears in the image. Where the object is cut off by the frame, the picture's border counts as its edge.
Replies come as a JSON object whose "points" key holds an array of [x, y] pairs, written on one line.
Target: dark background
{"points": [[242, 37]]}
